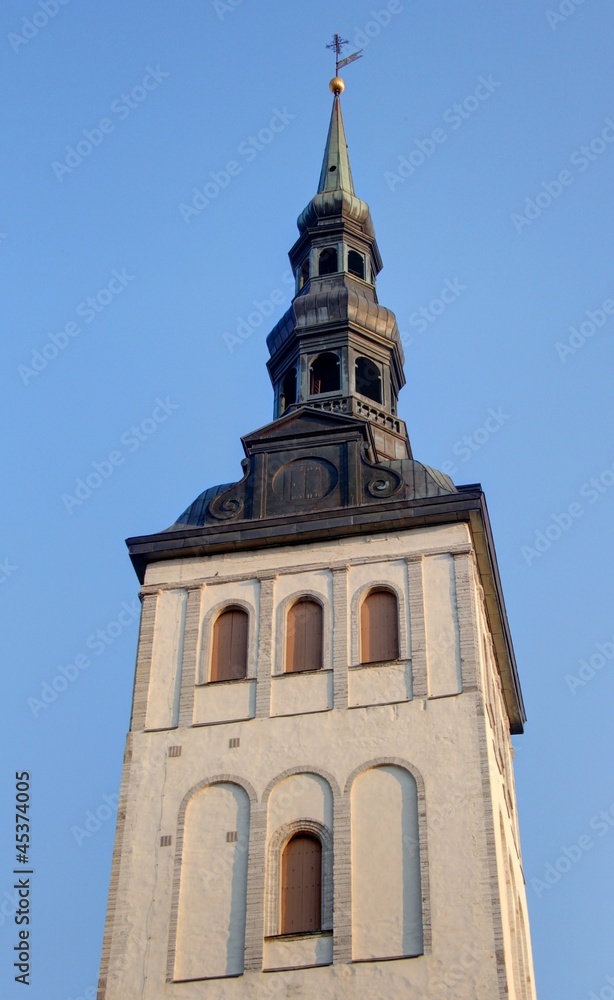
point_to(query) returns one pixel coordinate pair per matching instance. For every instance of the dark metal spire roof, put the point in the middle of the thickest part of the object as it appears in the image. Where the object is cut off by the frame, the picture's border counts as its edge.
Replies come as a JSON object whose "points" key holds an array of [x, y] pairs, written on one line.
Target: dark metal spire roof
{"points": [[336, 174], [335, 195]]}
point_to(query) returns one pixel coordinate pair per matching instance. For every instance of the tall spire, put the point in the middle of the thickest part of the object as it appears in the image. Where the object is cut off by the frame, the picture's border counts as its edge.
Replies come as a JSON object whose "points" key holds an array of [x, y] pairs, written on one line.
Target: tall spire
{"points": [[337, 349], [336, 174]]}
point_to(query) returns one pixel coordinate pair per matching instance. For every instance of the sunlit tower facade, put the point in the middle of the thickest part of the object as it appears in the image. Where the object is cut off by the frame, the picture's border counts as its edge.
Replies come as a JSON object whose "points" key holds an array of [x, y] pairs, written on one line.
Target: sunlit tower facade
{"points": [[317, 796]]}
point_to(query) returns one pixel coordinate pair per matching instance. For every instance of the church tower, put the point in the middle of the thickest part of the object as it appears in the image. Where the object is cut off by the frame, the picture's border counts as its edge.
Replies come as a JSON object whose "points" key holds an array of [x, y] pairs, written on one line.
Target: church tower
{"points": [[317, 797]]}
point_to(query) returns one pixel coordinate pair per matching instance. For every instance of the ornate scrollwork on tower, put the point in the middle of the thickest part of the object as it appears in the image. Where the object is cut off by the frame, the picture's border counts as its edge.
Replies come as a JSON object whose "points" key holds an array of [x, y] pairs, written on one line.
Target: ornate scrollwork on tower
{"points": [[230, 503], [383, 485]]}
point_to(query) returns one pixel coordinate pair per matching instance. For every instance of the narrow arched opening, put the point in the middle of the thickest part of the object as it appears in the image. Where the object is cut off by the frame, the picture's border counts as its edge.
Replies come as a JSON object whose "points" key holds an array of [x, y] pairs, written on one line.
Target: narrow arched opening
{"points": [[304, 273], [301, 885], [328, 261], [304, 636], [324, 374], [356, 264], [229, 645], [368, 379], [379, 627], [288, 389]]}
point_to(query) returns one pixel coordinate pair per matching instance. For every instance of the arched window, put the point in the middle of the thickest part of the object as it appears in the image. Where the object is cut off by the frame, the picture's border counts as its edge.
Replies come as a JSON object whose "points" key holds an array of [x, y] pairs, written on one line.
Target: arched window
{"points": [[303, 276], [368, 379], [356, 264], [229, 645], [327, 261], [288, 389], [379, 627], [301, 885], [304, 636], [324, 374]]}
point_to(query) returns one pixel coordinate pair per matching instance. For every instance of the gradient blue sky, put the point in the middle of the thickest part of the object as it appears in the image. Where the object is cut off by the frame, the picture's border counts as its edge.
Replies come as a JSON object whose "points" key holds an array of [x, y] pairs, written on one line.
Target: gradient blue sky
{"points": [[461, 216]]}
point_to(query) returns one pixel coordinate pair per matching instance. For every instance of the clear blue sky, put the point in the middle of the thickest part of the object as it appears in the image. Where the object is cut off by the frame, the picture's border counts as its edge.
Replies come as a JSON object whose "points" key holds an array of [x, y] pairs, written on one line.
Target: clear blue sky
{"points": [[498, 199]]}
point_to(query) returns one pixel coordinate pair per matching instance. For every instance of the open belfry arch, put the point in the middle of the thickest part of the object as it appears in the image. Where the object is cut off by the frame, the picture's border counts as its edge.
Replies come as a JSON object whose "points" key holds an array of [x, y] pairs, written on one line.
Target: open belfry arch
{"points": [[317, 796]]}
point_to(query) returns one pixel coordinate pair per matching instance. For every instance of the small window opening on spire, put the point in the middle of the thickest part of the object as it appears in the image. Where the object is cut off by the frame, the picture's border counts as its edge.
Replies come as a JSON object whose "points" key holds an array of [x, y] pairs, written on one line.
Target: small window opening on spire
{"points": [[288, 389], [356, 264], [303, 276], [324, 374], [327, 261], [368, 379]]}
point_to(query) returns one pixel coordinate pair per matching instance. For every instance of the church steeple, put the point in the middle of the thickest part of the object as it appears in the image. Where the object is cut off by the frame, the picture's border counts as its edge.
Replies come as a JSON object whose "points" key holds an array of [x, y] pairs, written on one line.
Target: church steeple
{"points": [[336, 173], [337, 348]]}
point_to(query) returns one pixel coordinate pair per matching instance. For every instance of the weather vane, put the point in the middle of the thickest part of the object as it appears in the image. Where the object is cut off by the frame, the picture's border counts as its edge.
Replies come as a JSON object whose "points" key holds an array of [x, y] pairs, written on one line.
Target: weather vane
{"points": [[337, 45]]}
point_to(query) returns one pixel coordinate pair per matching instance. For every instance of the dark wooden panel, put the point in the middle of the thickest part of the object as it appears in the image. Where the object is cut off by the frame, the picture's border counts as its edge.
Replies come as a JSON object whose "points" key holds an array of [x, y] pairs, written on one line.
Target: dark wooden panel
{"points": [[379, 627], [229, 647], [304, 636], [301, 885]]}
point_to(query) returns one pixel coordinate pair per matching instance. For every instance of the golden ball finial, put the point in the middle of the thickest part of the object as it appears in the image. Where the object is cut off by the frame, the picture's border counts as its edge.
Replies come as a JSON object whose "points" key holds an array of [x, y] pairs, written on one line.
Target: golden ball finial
{"points": [[337, 85]]}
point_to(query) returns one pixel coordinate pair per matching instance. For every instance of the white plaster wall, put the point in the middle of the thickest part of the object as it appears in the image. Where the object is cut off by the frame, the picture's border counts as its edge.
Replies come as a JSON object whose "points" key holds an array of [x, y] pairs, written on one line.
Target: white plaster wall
{"points": [[300, 796], [441, 620], [443, 738], [317, 949], [379, 684], [516, 932], [211, 919], [224, 701], [165, 682], [386, 887], [384, 546], [440, 741], [298, 693]]}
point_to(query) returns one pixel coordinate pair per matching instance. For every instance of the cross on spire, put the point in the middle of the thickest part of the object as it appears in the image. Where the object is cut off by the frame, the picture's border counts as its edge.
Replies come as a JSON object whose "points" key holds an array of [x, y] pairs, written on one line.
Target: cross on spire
{"points": [[337, 45]]}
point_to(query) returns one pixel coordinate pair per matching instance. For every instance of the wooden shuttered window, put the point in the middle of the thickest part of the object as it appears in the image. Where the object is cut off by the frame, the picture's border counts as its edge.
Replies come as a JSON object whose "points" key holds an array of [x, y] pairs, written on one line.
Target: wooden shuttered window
{"points": [[301, 885], [229, 647], [304, 636], [379, 627]]}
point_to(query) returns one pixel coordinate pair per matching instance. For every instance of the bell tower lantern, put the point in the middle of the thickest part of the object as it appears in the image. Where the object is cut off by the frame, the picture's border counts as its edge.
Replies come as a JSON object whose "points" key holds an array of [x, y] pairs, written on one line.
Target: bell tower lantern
{"points": [[337, 349]]}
